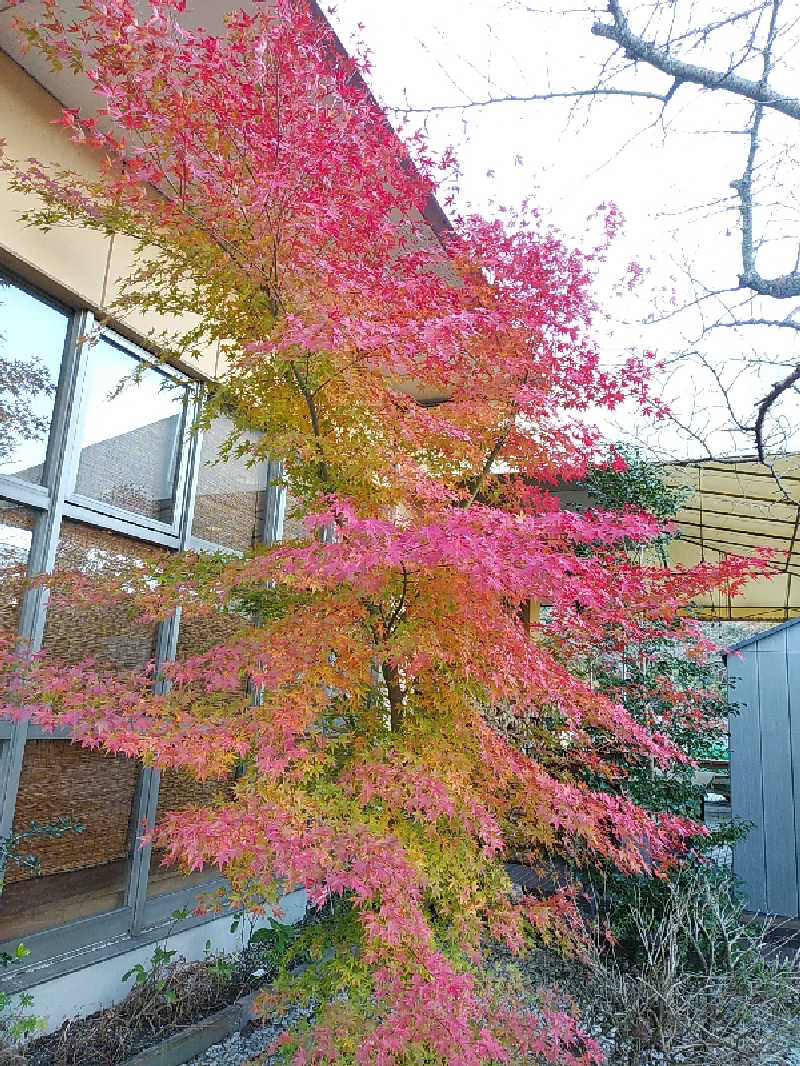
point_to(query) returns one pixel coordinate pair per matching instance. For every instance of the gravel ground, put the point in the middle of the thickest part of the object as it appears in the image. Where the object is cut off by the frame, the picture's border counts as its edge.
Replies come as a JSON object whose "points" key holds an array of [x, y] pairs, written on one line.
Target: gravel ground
{"points": [[249, 1046]]}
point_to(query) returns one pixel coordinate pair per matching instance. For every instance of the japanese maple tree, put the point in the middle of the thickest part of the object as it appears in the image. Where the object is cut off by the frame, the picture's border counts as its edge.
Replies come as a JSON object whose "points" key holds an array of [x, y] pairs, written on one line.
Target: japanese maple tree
{"points": [[272, 204]]}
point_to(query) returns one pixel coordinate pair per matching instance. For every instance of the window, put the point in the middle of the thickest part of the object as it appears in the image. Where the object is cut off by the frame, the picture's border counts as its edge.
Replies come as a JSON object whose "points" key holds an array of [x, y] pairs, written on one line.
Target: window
{"points": [[16, 526], [80, 874], [32, 337], [178, 789], [131, 435], [105, 632], [125, 482], [229, 507]]}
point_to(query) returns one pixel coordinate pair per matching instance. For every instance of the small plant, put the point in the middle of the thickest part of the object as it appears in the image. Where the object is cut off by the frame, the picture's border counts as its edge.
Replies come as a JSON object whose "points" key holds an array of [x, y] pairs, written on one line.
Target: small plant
{"points": [[220, 965], [154, 979], [275, 935], [16, 1021], [156, 975]]}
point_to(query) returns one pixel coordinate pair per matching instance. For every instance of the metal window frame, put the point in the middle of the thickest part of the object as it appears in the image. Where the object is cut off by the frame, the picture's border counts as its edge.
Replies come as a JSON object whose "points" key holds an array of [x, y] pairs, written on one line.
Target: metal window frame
{"points": [[41, 556], [37, 494], [64, 947], [26, 492], [274, 503], [89, 509]]}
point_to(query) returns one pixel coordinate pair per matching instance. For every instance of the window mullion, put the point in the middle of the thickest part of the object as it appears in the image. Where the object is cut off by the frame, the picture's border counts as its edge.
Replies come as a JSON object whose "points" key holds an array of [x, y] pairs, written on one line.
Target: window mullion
{"points": [[44, 542], [149, 781], [166, 648], [192, 446]]}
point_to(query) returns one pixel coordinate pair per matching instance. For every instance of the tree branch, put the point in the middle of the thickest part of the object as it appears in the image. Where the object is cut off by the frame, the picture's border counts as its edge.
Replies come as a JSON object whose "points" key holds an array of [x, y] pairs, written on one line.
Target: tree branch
{"points": [[662, 98], [641, 51], [487, 466], [322, 466], [777, 390], [787, 286], [780, 323], [394, 690]]}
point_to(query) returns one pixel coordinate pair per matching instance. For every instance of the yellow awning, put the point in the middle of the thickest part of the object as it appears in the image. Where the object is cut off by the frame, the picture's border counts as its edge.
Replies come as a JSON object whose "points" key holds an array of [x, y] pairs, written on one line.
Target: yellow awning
{"points": [[734, 506]]}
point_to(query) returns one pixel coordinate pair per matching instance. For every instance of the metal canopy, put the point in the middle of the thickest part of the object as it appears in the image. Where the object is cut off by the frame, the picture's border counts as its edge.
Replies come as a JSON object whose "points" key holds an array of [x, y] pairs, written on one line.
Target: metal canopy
{"points": [[735, 506]]}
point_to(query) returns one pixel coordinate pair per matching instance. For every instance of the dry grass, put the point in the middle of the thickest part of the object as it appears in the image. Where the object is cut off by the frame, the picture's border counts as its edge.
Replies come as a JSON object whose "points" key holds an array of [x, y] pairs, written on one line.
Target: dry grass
{"points": [[706, 988]]}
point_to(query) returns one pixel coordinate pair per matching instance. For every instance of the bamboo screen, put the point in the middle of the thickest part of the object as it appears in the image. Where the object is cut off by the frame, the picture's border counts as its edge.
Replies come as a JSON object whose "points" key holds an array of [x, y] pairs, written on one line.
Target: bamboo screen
{"points": [[107, 632], [80, 873], [61, 778]]}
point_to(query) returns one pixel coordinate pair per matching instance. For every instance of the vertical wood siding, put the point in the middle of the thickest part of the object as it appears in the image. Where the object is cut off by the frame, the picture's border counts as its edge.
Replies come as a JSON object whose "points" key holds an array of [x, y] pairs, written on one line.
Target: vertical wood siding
{"points": [[764, 680]]}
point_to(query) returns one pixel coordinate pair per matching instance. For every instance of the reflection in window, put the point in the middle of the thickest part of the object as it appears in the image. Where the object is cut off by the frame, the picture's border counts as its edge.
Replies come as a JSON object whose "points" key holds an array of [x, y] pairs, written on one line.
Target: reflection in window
{"points": [[106, 633], [16, 526], [32, 335], [130, 444], [293, 528], [79, 873], [177, 790], [229, 508]]}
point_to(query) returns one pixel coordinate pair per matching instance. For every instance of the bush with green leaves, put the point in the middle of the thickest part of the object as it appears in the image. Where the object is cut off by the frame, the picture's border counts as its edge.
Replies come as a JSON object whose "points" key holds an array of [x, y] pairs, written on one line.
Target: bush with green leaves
{"points": [[664, 690]]}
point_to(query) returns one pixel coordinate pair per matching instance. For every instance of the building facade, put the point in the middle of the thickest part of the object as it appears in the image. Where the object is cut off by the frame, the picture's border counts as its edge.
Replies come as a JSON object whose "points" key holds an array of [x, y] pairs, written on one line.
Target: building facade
{"points": [[108, 472]]}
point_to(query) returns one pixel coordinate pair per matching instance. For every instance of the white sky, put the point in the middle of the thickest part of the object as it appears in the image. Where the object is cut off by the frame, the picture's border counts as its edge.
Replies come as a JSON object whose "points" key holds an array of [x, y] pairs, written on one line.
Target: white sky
{"points": [[569, 159]]}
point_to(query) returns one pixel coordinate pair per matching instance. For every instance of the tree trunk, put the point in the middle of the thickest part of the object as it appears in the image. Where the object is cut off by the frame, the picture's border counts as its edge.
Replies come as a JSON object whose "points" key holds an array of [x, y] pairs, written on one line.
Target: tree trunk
{"points": [[395, 692]]}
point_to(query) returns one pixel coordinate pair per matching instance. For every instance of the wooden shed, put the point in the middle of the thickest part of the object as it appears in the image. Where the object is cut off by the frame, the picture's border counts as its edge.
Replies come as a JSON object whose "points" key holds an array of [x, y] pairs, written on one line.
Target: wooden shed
{"points": [[764, 683]]}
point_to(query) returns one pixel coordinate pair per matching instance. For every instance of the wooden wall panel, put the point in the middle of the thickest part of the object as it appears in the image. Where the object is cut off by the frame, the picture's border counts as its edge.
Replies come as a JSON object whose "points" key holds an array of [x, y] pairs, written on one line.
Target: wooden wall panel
{"points": [[776, 761], [745, 769]]}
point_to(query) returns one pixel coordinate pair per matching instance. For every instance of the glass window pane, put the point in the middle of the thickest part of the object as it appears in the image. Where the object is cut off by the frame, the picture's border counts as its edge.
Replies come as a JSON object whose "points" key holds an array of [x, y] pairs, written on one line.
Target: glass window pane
{"points": [[16, 529], [131, 435], [178, 789], [78, 874], [106, 633], [229, 506], [32, 335], [293, 528]]}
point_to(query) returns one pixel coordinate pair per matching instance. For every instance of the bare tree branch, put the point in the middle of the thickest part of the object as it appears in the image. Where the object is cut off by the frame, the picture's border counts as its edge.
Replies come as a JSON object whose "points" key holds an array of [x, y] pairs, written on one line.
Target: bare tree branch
{"points": [[642, 51], [662, 98], [778, 323], [735, 52], [764, 407]]}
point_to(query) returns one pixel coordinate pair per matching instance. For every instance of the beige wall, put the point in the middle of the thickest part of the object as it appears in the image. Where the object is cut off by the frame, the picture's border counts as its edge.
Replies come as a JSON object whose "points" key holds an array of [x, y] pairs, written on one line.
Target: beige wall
{"points": [[81, 267]]}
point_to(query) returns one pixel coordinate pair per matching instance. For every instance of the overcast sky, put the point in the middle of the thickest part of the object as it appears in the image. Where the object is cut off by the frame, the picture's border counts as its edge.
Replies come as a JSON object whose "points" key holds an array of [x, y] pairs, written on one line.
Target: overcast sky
{"points": [[568, 158]]}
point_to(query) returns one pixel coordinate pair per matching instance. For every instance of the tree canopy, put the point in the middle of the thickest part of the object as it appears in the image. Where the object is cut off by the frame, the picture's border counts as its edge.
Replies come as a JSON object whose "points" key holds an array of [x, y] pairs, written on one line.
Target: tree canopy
{"points": [[352, 703]]}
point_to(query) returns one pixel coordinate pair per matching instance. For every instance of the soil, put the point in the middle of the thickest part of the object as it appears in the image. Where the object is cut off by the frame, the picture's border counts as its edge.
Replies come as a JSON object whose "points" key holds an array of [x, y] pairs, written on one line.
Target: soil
{"points": [[173, 997]]}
